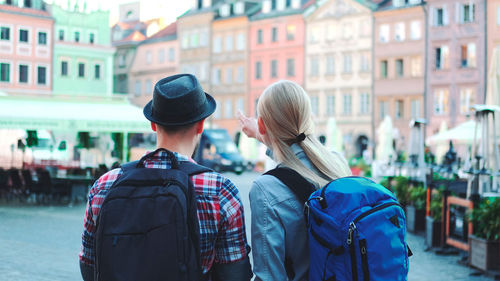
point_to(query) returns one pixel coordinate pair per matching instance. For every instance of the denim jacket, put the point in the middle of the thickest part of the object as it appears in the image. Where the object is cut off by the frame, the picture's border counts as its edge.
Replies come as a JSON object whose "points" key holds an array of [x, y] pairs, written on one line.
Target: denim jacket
{"points": [[278, 228]]}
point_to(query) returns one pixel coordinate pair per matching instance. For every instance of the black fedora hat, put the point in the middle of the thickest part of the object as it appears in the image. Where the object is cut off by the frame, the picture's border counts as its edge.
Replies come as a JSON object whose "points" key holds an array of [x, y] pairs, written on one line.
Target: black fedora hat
{"points": [[179, 100]]}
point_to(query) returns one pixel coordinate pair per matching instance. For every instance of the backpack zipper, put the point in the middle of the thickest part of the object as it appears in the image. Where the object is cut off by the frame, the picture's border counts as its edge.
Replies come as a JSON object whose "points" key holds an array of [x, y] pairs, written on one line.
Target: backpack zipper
{"points": [[364, 260], [378, 208], [352, 251]]}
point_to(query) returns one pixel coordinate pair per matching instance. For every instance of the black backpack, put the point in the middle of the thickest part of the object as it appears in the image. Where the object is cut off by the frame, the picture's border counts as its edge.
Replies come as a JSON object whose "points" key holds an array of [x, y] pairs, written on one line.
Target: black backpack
{"points": [[147, 228]]}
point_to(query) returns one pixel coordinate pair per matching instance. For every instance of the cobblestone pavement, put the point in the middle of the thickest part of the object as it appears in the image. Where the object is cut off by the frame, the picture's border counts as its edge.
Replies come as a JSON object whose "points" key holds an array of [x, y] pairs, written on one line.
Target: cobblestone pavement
{"points": [[42, 243]]}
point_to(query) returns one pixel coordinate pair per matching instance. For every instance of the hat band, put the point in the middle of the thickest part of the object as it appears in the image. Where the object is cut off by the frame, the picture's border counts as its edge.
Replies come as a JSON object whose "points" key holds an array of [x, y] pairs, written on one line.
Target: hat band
{"points": [[165, 117]]}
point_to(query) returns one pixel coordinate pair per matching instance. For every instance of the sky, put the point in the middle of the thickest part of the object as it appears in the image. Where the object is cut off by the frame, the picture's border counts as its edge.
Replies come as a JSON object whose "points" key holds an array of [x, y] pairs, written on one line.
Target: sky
{"points": [[168, 9]]}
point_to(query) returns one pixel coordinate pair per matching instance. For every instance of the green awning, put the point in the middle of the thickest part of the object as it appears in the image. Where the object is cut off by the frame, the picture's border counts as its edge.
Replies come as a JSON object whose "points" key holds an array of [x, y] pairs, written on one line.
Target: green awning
{"points": [[71, 114]]}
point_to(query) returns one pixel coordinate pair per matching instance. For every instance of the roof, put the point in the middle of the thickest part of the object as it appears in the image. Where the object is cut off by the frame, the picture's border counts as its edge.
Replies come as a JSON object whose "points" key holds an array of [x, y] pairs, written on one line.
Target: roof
{"points": [[134, 37], [25, 11], [386, 5], [71, 114], [169, 31], [286, 12]]}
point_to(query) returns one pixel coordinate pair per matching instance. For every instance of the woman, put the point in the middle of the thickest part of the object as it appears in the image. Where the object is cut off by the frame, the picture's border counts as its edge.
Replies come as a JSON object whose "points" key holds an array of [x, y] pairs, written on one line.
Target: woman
{"points": [[279, 229]]}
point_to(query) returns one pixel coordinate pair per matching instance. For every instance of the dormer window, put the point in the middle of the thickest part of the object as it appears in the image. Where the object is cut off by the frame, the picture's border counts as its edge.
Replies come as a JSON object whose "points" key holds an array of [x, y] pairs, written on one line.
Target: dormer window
{"points": [[266, 6], [280, 5], [295, 4], [225, 10], [239, 8]]}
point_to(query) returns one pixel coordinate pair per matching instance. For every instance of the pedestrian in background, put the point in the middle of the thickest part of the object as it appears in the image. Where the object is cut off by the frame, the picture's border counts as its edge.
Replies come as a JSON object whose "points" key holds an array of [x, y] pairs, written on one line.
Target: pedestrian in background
{"points": [[177, 113], [279, 232]]}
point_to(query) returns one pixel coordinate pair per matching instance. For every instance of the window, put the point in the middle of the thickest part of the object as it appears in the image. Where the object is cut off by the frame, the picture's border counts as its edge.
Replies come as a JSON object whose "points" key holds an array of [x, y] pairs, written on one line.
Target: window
{"points": [[330, 104], [81, 70], [77, 36], [23, 73], [415, 30], [4, 72], [399, 68], [61, 35], [347, 31], [365, 104], [415, 109], [399, 110], [4, 33], [442, 54], [240, 74], [91, 38], [97, 71], [149, 57], [138, 87], [194, 40], [171, 54], [274, 68], [330, 65], [240, 42], [42, 75], [314, 71], [347, 63], [229, 43], [365, 28], [440, 101], [228, 109], [416, 67], [217, 44], [23, 35], [258, 70], [27, 3], [185, 41], [149, 87], [384, 33], [204, 38], [466, 12], [161, 55], [216, 76], [466, 100], [64, 68], [383, 109], [383, 69], [315, 105], [290, 67], [468, 55], [440, 16], [290, 32], [365, 62], [399, 31], [259, 36], [330, 32], [217, 112], [498, 15], [229, 75], [315, 34], [42, 38], [274, 34], [347, 104], [240, 105], [121, 61]]}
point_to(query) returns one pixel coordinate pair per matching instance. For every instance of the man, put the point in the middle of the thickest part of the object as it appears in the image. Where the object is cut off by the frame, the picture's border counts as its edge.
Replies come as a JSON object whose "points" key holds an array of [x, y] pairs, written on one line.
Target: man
{"points": [[177, 113]]}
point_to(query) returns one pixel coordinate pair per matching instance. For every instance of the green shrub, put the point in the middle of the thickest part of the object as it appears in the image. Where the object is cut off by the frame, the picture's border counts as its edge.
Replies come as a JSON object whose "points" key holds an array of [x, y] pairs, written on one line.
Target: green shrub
{"points": [[401, 190], [486, 219], [436, 207], [418, 196]]}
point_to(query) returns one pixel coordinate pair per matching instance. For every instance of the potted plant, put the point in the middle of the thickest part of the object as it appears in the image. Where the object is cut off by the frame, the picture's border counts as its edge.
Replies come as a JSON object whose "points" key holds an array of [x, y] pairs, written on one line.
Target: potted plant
{"points": [[415, 210], [400, 188], [433, 223], [485, 243]]}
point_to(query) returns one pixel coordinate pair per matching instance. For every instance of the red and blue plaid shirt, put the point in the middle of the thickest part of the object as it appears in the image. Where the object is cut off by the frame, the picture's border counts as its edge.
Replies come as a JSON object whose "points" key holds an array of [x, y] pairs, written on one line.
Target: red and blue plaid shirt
{"points": [[220, 214]]}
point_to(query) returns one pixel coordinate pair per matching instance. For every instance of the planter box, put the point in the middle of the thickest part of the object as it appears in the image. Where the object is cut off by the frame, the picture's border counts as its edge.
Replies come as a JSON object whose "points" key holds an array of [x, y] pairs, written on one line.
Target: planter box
{"points": [[415, 219], [484, 254], [432, 232]]}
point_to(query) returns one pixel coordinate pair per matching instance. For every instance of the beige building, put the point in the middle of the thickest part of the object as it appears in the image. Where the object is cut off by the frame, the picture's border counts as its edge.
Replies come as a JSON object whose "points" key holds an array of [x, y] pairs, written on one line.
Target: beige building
{"points": [[230, 52], [399, 50], [338, 69], [157, 57]]}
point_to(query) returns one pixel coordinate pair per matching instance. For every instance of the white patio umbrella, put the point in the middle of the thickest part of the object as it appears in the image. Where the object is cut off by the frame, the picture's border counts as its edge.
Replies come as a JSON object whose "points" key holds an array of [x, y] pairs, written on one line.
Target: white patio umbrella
{"points": [[334, 139], [461, 134], [385, 136]]}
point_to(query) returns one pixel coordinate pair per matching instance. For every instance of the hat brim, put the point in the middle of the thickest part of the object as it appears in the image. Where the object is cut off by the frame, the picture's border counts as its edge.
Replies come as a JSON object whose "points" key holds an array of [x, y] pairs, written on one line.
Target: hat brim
{"points": [[210, 106]]}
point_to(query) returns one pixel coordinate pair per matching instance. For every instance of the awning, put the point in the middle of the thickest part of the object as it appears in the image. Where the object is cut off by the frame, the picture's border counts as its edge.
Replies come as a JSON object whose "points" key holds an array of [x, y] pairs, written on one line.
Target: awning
{"points": [[462, 134], [71, 114]]}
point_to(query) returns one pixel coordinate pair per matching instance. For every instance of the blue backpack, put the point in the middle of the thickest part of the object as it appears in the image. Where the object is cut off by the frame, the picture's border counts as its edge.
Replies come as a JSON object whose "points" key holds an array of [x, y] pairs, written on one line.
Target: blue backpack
{"points": [[357, 229]]}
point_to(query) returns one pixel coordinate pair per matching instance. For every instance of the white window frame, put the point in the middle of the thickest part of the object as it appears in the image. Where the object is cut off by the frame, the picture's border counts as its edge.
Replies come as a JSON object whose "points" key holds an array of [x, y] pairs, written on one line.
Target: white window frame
{"points": [[416, 30], [228, 79], [39, 49], [384, 33], [30, 34], [96, 39], [85, 69], [47, 75], [61, 60], [30, 66], [240, 75], [240, 42], [400, 32], [228, 43], [7, 46], [101, 70], [148, 57], [137, 90], [79, 30], [217, 44], [228, 109], [171, 54]]}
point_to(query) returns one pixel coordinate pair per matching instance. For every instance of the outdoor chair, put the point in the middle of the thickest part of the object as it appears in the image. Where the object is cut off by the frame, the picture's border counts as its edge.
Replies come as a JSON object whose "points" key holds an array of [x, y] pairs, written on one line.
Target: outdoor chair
{"points": [[32, 188], [44, 183], [17, 186], [4, 183]]}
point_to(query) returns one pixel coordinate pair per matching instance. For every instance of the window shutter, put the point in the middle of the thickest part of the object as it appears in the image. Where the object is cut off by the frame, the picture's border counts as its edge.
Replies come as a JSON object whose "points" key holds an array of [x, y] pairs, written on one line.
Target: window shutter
{"points": [[446, 16]]}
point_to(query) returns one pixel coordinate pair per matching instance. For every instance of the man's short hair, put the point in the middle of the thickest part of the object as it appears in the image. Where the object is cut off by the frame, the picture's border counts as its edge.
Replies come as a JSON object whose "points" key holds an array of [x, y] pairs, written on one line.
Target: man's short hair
{"points": [[176, 129]]}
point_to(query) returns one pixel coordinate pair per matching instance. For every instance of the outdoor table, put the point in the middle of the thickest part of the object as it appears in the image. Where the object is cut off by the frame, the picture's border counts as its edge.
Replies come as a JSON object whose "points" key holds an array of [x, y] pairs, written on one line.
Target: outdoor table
{"points": [[79, 184]]}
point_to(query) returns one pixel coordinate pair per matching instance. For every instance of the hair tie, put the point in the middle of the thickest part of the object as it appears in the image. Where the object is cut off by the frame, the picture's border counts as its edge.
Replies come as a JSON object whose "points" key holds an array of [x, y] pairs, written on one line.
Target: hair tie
{"points": [[300, 138]]}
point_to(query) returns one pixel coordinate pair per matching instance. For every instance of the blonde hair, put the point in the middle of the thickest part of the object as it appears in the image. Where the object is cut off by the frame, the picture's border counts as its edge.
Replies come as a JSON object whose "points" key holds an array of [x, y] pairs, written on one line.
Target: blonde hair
{"points": [[285, 109]]}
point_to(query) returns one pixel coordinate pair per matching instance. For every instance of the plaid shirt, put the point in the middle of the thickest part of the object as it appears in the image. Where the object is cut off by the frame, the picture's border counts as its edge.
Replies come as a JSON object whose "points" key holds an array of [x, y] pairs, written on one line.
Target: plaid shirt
{"points": [[220, 214]]}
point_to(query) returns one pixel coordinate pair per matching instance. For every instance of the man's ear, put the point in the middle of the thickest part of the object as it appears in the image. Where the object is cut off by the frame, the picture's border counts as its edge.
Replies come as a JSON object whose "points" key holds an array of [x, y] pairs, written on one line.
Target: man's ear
{"points": [[153, 127], [199, 126], [261, 126]]}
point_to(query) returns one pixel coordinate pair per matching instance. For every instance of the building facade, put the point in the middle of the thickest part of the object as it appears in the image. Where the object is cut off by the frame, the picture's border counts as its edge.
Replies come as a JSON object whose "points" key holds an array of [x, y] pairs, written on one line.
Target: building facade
{"points": [[455, 61], [493, 31], [156, 58], [399, 49], [26, 31], [338, 70], [83, 56], [277, 38], [229, 77]]}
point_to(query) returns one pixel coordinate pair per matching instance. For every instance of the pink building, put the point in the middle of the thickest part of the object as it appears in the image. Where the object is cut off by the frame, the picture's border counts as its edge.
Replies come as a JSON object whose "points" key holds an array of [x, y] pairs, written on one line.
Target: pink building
{"points": [[277, 38], [157, 57], [455, 60], [25, 49], [493, 27]]}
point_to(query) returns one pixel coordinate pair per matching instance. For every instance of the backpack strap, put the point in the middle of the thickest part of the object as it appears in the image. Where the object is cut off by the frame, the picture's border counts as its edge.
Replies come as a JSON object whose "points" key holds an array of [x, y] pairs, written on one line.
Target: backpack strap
{"points": [[192, 168], [129, 166], [301, 187]]}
